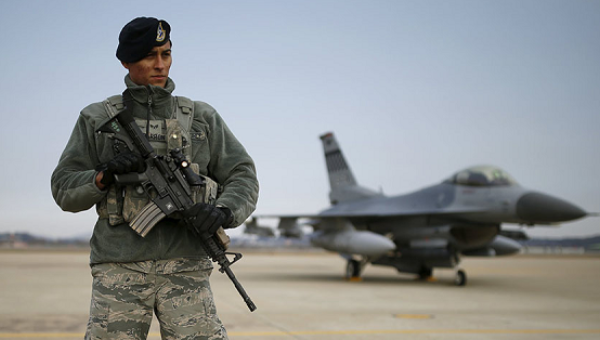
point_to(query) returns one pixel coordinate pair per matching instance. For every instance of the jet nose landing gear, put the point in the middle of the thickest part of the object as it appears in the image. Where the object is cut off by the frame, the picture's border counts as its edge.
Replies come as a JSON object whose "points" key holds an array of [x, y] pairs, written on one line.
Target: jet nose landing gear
{"points": [[461, 278]]}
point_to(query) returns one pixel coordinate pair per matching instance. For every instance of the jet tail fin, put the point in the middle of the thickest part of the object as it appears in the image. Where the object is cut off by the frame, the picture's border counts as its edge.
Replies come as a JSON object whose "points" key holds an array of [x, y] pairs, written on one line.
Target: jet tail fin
{"points": [[341, 180]]}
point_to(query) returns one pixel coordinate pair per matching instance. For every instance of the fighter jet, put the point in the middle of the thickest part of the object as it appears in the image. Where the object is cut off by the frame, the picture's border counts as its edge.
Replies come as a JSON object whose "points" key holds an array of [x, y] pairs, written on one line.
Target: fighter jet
{"points": [[430, 228]]}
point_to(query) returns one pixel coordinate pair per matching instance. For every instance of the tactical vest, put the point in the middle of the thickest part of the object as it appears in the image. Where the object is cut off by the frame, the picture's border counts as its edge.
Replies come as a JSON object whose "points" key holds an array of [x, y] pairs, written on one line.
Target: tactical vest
{"points": [[123, 203]]}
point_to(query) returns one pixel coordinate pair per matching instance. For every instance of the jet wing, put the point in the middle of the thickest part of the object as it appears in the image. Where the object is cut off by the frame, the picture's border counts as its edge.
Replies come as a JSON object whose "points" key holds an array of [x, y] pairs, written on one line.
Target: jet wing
{"points": [[371, 213], [437, 200], [331, 218], [382, 212]]}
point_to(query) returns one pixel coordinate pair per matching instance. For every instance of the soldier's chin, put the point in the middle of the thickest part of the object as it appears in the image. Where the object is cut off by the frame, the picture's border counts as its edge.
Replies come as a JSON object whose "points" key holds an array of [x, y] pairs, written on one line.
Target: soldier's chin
{"points": [[158, 81]]}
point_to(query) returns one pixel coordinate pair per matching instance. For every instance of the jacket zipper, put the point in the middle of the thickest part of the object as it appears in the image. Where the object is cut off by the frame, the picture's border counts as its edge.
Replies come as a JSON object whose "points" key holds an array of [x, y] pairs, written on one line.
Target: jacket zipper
{"points": [[149, 113]]}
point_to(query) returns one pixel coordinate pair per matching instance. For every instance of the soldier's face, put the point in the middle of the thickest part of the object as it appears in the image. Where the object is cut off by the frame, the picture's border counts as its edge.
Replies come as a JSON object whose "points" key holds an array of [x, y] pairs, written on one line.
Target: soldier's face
{"points": [[153, 69]]}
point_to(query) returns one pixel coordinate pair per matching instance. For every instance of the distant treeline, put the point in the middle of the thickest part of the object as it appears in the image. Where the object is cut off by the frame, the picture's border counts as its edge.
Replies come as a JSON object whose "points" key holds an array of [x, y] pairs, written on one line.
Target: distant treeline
{"points": [[591, 243], [19, 240]]}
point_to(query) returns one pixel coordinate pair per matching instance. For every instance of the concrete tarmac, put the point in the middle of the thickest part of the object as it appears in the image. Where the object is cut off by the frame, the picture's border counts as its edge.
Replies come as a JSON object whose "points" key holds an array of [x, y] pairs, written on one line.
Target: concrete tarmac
{"points": [[45, 295]]}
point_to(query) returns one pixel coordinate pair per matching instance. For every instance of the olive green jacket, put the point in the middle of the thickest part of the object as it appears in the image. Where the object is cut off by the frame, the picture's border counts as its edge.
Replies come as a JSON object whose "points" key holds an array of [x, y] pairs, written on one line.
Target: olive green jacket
{"points": [[219, 155]]}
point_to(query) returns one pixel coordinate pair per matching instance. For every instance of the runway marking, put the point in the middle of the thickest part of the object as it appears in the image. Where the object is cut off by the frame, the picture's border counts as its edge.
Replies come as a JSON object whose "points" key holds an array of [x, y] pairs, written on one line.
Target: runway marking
{"points": [[343, 332], [424, 331], [413, 316]]}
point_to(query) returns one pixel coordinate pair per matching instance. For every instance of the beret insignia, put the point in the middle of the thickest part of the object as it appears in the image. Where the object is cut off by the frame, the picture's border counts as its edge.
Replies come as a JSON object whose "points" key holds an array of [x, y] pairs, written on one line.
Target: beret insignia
{"points": [[160, 33]]}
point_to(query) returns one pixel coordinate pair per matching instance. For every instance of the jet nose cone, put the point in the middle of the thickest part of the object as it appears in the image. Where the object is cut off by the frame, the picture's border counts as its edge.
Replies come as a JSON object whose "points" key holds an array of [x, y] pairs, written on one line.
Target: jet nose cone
{"points": [[536, 207]]}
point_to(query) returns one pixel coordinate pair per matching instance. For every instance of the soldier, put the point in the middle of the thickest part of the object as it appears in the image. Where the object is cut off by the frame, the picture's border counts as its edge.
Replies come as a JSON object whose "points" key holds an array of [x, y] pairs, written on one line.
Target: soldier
{"points": [[166, 272]]}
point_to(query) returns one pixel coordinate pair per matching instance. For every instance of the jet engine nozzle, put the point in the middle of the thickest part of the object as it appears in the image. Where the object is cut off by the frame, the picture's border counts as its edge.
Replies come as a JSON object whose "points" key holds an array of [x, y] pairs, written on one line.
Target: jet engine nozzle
{"points": [[538, 208]]}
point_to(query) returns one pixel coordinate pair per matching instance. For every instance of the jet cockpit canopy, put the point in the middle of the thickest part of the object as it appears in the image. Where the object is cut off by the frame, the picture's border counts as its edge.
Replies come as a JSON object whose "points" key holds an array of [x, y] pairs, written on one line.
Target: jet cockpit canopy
{"points": [[482, 176]]}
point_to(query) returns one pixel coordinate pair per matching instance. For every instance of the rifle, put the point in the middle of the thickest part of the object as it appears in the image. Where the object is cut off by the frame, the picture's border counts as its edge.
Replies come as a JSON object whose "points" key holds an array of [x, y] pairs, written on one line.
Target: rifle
{"points": [[168, 181]]}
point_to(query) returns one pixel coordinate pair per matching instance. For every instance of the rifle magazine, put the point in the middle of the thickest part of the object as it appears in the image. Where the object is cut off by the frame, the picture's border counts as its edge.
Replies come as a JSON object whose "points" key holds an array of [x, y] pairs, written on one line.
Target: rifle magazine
{"points": [[147, 219]]}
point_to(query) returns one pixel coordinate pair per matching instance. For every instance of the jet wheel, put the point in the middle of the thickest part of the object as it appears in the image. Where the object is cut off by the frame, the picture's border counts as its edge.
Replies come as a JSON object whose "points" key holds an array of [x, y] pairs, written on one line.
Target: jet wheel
{"points": [[461, 278], [353, 269]]}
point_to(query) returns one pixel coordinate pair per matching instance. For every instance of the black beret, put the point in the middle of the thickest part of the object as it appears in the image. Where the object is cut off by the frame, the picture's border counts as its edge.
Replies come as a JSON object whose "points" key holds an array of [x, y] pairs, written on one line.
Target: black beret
{"points": [[140, 36]]}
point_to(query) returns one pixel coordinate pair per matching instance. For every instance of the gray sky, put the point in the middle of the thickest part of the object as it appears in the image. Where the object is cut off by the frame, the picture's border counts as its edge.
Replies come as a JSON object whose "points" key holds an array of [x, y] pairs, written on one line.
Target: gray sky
{"points": [[414, 91]]}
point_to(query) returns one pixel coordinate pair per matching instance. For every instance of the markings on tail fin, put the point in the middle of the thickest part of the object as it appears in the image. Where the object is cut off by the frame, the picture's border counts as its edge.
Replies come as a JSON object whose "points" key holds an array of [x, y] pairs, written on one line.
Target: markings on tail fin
{"points": [[339, 172], [341, 180]]}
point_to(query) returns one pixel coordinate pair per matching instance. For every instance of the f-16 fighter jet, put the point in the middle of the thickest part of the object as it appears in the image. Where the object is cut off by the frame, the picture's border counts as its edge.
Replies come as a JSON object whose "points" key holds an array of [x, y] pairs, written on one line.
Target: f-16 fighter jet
{"points": [[429, 228]]}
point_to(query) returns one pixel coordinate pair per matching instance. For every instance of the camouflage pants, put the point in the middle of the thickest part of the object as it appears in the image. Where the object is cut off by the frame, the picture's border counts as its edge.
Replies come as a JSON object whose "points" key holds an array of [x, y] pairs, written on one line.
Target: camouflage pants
{"points": [[125, 295]]}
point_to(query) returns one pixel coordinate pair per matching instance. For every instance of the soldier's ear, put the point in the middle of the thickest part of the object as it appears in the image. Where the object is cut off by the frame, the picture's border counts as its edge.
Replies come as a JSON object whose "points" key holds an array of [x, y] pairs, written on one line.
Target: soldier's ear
{"points": [[126, 65]]}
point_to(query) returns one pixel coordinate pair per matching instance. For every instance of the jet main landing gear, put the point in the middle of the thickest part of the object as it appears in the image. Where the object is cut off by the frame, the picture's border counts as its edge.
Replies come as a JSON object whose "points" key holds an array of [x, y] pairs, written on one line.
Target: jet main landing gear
{"points": [[353, 270], [425, 273]]}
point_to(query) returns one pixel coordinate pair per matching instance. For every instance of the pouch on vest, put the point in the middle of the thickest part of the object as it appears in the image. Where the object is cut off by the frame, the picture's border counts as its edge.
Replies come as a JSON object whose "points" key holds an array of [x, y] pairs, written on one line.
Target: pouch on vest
{"points": [[111, 206], [209, 192]]}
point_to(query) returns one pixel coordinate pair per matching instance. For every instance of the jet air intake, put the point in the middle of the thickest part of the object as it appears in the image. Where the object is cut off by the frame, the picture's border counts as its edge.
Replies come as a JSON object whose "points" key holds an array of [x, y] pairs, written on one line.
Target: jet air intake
{"points": [[364, 243]]}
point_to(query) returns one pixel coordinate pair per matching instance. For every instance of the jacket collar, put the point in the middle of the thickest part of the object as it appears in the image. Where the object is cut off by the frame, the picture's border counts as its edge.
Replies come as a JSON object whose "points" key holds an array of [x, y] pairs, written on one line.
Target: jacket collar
{"points": [[160, 98]]}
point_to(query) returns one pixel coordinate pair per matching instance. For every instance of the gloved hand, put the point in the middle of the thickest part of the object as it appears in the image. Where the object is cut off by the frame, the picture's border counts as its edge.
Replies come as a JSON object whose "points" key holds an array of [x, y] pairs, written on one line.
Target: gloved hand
{"points": [[122, 163], [205, 218]]}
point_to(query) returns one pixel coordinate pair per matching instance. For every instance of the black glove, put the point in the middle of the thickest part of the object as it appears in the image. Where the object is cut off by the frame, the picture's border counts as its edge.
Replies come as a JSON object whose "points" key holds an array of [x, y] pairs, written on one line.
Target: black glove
{"points": [[122, 163], [205, 218]]}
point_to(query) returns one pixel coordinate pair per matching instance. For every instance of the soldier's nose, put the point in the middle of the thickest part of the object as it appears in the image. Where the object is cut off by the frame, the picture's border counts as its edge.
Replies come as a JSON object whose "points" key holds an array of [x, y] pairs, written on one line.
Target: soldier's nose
{"points": [[160, 64]]}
